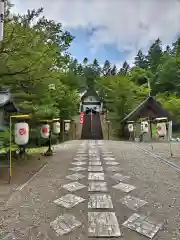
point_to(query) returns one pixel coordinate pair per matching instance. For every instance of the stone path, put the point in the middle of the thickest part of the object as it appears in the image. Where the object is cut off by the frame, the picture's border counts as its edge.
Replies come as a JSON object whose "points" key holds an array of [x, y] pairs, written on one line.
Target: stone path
{"points": [[102, 219], [96, 198]]}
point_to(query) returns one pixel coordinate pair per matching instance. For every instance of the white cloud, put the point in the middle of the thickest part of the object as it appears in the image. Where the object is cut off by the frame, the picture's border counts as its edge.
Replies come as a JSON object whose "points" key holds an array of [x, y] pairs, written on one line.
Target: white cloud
{"points": [[129, 24]]}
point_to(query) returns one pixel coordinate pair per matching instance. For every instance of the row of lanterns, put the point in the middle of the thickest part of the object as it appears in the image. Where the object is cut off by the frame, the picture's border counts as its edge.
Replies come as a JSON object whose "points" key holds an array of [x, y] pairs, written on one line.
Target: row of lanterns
{"points": [[160, 128], [21, 131]]}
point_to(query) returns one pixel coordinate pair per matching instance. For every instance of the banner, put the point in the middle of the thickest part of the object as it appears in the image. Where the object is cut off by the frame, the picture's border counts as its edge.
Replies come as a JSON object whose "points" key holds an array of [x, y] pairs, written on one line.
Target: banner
{"points": [[81, 117]]}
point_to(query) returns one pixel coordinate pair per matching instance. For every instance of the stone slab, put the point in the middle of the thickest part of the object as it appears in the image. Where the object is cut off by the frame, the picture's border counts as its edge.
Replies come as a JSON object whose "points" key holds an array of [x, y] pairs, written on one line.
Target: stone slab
{"points": [[75, 176], [142, 225], [124, 187], [79, 163], [74, 186], [69, 200], [95, 169], [97, 186], [81, 159], [120, 177], [100, 201], [65, 224], [94, 159], [111, 163], [95, 163], [77, 169], [109, 158], [103, 224], [96, 176], [132, 203]]}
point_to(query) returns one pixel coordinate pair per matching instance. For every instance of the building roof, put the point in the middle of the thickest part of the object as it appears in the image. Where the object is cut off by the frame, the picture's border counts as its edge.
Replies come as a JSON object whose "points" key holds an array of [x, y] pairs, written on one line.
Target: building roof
{"points": [[7, 102], [149, 102], [90, 92]]}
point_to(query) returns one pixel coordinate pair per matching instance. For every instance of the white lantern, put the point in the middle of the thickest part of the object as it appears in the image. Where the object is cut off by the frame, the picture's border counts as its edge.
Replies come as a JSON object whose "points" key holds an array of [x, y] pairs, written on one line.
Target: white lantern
{"points": [[130, 127], [56, 127], [161, 129], [144, 127], [67, 125], [45, 130], [21, 133]]}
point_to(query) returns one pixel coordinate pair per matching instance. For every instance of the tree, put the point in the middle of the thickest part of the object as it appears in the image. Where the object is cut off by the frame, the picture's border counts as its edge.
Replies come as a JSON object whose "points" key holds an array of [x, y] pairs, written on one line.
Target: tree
{"points": [[140, 76], [96, 67], [85, 61], [106, 70], [140, 60], [32, 57], [114, 70], [125, 68], [154, 55]]}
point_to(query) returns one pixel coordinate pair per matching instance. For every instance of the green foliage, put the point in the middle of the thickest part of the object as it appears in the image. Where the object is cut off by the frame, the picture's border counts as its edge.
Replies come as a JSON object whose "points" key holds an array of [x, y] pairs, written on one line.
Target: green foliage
{"points": [[34, 56], [4, 139]]}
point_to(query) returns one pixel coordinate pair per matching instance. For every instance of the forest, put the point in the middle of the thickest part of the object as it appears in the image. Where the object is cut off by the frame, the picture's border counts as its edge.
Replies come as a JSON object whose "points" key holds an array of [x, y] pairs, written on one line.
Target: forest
{"points": [[46, 80]]}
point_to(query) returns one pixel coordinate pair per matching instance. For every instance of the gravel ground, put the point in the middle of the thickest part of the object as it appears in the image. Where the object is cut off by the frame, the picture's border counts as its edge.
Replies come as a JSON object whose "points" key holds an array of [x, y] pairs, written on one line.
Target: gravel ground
{"points": [[156, 183], [164, 149]]}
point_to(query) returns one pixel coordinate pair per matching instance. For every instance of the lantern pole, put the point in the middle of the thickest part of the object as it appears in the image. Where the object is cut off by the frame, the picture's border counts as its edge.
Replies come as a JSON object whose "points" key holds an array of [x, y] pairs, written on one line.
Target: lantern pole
{"points": [[50, 151], [10, 153], [10, 141]]}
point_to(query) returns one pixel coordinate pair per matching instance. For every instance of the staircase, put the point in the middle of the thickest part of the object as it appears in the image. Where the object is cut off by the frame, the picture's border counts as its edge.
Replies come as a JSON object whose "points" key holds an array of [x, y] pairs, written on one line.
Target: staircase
{"points": [[91, 128]]}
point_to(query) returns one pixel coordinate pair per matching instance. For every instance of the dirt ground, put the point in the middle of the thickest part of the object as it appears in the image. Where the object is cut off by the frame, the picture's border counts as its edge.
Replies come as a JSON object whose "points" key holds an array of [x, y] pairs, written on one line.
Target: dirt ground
{"points": [[23, 169]]}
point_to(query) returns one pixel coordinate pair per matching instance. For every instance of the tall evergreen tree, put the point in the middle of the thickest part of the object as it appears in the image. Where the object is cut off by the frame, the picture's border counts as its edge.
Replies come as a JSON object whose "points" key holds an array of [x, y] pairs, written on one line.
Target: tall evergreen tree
{"points": [[154, 55], [106, 70], [140, 60], [96, 67], [85, 61], [114, 70], [124, 69]]}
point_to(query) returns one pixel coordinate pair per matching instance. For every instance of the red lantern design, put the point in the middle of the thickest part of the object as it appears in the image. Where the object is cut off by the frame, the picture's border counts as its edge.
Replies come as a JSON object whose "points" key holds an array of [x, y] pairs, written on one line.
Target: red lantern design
{"points": [[44, 129], [22, 131]]}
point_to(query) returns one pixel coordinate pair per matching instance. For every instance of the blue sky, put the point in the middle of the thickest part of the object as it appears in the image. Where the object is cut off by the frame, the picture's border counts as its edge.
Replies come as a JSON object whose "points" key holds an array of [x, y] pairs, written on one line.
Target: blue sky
{"points": [[81, 48], [111, 29]]}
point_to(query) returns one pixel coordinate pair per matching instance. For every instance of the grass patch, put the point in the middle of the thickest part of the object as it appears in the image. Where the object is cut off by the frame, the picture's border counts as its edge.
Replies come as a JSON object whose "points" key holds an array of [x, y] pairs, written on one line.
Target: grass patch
{"points": [[28, 150]]}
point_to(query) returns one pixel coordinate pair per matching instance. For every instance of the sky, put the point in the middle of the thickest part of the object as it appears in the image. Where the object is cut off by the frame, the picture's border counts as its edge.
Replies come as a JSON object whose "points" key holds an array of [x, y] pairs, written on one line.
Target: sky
{"points": [[111, 29]]}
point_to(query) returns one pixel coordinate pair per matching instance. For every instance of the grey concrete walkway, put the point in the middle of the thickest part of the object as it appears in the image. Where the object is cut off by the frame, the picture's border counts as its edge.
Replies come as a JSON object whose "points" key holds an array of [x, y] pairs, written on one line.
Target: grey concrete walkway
{"points": [[96, 189]]}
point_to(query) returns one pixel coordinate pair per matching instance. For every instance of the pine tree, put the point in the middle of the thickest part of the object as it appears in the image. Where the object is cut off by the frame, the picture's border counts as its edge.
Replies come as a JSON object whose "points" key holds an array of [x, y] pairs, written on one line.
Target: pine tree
{"points": [[125, 68], [154, 55], [140, 60], [114, 70], [106, 70]]}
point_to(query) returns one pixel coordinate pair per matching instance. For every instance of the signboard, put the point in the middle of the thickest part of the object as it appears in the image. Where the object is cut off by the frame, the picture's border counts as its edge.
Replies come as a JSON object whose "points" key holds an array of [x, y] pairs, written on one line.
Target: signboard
{"points": [[81, 117]]}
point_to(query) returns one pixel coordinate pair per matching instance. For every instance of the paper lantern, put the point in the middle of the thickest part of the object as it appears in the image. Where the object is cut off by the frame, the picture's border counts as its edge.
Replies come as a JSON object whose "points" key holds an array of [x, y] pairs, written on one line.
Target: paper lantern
{"points": [[161, 129], [67, 125], [144, 127], [56, 127], [21, 133], [45, 130], [130, 127]]}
